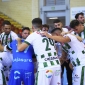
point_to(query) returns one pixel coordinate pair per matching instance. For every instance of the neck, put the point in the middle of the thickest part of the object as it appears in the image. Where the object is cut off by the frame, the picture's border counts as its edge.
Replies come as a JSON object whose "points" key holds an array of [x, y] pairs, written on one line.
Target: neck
{"points": [[38, 29]]}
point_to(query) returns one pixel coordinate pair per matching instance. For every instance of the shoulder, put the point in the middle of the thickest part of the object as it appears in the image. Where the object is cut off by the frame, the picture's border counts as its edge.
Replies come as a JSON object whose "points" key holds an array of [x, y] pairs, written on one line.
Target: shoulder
{"points": [[1, 35], [13, 33], [65, 29], [71, 36]]}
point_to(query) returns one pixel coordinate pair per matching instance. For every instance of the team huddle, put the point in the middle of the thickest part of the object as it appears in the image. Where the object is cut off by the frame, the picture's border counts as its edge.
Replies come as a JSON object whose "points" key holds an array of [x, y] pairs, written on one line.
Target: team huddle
{"points": [[16, 56]]}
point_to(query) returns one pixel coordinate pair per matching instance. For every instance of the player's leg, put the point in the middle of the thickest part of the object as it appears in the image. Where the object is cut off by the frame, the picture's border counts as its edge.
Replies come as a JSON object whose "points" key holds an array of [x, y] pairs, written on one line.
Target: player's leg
{"points": [[28, 77], [2, 78], [69, 73], [50, 76], [56, 79], [6, 61], [78, 75], [15, 77], [43, 77]]}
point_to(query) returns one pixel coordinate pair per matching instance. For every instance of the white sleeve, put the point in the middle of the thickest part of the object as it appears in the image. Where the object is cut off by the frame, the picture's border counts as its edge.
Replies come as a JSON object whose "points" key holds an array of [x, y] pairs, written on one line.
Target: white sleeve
{"points": [[30, 38], [14, 35], [65, 29], [72, 38]]}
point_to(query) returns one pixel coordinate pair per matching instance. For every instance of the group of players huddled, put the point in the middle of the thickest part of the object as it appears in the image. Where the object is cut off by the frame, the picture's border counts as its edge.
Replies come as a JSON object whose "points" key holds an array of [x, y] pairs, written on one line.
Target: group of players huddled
{"points": [[16, 55]]}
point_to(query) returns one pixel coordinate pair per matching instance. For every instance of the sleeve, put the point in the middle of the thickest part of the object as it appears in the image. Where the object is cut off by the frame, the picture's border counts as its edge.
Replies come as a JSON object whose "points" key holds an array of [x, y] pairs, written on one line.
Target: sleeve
{"points": [[65, 29], [72, 37], [1, 37], [9, 46], [30, 39], [14, 35]]}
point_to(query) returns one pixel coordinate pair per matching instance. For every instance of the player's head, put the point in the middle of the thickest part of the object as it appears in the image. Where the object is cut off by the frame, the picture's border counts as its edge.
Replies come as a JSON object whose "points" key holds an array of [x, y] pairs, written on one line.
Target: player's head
{"points": [[57, 23], [56, 31], [6, 26], [25, 32], [80, 17], [76, 26], [45, 27], [36, 24]]}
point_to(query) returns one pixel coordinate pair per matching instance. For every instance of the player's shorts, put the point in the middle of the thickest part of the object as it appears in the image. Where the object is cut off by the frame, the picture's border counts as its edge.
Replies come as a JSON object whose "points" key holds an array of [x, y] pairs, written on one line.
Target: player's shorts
{"points": [[7, 58], [49, 76], [2, 78], [78, 75], [17, 76]]}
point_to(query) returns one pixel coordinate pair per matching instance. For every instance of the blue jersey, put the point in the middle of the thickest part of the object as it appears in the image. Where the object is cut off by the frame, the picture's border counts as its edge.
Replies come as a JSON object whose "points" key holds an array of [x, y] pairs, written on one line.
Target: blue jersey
{"points": [[23, 59]]}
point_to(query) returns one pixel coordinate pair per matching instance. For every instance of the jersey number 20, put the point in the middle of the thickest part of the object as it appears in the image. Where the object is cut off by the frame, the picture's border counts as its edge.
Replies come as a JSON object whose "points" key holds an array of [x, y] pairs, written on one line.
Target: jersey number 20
{"points": [[48, 42]]}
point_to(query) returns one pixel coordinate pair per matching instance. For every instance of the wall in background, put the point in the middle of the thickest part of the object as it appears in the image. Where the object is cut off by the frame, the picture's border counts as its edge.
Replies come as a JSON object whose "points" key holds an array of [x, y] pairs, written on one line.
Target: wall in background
{"points": [[23, 11]]}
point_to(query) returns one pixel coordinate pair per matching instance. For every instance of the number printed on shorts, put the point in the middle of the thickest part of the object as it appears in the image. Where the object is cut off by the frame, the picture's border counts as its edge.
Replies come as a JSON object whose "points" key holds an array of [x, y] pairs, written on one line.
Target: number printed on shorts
{"points": [[48, 42]]}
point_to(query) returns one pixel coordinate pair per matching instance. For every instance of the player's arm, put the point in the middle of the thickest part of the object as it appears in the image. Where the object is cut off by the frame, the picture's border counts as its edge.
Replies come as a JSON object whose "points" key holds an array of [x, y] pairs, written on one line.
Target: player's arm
{"points": [[78, 37], [21, 46], [1, 48], [4, 48], [57, 38]]}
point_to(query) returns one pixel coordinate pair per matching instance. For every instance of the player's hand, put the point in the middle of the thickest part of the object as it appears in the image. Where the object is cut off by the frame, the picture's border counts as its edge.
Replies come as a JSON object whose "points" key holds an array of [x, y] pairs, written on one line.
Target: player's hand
{"points": [[45, 33], [64, 33]]}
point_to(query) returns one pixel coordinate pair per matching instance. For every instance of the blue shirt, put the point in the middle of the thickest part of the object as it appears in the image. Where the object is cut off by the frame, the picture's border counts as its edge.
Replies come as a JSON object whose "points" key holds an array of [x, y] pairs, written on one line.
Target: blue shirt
{"points": [[23, 59]]}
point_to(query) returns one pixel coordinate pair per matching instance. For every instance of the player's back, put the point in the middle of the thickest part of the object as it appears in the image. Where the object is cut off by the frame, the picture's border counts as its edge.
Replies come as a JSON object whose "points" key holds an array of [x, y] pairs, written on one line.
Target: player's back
{"points": [[76, 50], [21, 60], [44, 50]]}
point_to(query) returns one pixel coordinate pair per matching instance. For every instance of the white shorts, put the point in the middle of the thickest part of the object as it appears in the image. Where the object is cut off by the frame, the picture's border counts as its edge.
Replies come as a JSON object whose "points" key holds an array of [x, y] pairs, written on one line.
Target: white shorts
{"points": [[7, 58], [78, 75], [2, 78], [50, 76]]}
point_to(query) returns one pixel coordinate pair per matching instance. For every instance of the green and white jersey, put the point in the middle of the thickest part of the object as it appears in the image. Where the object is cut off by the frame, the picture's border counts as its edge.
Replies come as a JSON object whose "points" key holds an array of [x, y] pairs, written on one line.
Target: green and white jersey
{"points": [[76, 51], [44, 49], [5, 39]]}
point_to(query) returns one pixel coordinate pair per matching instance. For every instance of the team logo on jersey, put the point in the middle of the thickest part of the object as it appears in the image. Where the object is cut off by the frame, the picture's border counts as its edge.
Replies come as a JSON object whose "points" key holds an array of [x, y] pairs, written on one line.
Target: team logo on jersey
{"points": [[49, 73], [57, 72], [50, 58], [76, 78], [28, 74], [16, 75], [21, 60]]}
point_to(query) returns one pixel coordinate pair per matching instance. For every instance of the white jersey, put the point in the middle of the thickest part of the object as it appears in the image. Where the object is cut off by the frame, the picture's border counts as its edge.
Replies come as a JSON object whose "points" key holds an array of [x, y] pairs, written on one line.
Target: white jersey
{"points": [[76, 51], [5, 39], [65, 29], [44, 50]]}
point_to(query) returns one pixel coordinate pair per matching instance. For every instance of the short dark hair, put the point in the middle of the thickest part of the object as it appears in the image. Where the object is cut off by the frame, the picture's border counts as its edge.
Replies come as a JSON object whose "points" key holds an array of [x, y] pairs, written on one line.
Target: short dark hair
{"points": [[25, 28], [55, 29], [45, 25], [37, 22], [74, 23], [77, 15], [6, 22], [56, 21]]}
